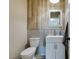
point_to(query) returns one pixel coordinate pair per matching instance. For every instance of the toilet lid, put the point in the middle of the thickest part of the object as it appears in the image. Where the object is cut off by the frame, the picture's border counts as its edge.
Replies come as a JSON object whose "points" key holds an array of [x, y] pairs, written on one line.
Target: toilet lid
{"points": [[28, 51]]}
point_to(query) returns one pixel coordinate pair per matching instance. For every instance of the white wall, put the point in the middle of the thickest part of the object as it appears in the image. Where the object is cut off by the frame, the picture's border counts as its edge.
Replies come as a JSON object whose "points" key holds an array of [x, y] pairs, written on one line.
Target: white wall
{"points": [[18, 33]]}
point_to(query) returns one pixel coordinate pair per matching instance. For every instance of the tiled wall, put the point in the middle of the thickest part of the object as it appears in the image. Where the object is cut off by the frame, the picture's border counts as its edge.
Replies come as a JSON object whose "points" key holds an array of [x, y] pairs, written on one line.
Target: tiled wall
{"points": [[42, 33]]}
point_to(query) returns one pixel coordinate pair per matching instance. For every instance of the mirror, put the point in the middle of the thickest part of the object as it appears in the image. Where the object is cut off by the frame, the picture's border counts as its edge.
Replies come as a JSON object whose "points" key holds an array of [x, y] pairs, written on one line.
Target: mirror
{"points": [[55, 20]]}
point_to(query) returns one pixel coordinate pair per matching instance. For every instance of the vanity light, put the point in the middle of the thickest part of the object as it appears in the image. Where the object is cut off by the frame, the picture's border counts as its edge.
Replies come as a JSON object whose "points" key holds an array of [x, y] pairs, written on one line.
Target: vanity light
{"points": [[54, 1]]}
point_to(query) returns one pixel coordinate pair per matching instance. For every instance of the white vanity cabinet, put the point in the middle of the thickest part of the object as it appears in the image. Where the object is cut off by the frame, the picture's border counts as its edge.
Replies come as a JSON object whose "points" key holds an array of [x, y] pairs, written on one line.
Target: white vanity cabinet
{"points": [[54, 47]]}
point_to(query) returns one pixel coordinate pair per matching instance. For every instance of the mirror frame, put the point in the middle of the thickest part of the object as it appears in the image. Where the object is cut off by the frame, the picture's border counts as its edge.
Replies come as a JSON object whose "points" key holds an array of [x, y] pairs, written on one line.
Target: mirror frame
{"points": [[61, 21]]}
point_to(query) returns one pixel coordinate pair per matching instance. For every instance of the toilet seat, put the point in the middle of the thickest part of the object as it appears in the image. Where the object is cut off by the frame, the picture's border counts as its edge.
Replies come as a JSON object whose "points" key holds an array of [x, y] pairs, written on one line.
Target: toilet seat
{"points": [[28, 51]]}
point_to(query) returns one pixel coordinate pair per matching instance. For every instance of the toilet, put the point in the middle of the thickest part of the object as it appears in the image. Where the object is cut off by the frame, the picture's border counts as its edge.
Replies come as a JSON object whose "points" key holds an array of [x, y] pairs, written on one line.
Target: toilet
{"points": [[30, 52]]}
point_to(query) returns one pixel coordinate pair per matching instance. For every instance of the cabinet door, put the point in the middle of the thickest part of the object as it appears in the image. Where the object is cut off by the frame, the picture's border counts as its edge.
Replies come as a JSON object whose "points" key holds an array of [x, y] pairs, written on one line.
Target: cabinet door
{"points": [[50, 51], [60, 51]]}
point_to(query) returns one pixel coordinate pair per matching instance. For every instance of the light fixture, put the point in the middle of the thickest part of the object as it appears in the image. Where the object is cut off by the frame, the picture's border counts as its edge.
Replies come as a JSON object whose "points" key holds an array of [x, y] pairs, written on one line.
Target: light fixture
{"points": [[54, 1]]}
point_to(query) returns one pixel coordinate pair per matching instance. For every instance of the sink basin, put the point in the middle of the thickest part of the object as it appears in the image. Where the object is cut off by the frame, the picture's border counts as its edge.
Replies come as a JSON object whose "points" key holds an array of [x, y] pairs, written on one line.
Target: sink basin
{"points": [[54, 38]]}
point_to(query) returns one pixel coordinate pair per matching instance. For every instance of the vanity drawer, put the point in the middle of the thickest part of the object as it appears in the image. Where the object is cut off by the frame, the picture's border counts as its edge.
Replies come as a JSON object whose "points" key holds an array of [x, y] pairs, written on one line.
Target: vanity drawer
{"points": [[49, 40]]}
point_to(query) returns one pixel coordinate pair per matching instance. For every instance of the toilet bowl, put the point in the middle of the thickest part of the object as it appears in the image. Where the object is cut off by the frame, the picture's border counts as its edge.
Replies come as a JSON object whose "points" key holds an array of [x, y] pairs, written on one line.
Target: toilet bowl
{"points": [[29, 52]]}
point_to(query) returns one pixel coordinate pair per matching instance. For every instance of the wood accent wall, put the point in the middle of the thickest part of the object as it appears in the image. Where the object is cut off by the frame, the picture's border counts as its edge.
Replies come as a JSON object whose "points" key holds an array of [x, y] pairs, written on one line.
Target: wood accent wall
{"points": [[38, 13]]}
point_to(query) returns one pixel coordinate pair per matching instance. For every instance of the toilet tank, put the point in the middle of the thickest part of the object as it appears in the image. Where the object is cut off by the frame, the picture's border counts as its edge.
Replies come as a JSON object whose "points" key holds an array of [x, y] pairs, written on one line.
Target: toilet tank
{"points": [[34, 42]]}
